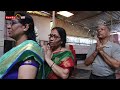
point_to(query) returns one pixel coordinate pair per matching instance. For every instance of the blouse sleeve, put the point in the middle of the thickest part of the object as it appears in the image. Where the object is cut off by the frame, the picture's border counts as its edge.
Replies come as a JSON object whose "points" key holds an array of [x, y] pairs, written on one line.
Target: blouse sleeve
{"points": [[31, 61]]}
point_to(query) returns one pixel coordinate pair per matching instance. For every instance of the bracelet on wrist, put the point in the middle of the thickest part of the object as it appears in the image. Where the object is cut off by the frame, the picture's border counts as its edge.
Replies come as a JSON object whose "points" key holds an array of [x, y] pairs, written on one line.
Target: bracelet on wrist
{"points": [[52, 65]]}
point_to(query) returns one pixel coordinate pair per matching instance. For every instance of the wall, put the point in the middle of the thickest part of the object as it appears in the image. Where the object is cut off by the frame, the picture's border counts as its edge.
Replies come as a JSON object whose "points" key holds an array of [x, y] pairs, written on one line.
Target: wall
{"points": [[81, 49], [2, 28], [42, 25]]}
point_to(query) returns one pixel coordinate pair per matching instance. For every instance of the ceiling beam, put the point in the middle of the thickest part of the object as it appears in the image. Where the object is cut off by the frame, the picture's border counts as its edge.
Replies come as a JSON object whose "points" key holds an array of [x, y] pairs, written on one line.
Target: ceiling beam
{"points": [[110, 13], [91, 16]]}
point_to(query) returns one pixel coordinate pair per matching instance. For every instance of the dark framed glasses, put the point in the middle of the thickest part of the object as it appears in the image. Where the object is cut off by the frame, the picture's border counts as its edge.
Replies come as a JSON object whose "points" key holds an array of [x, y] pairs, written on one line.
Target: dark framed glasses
{"points": [[12, 22], [53, 36]]}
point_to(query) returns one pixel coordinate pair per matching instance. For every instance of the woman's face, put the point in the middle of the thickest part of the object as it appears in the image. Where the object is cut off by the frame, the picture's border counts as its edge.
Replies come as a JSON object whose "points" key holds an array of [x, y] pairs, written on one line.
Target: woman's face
{"points": [[15, 29], [54, 39]]}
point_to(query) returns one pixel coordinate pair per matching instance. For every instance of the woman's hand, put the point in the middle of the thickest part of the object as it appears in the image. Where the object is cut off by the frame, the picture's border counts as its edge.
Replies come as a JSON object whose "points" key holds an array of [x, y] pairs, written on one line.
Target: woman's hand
{"points": [[47, 52]]}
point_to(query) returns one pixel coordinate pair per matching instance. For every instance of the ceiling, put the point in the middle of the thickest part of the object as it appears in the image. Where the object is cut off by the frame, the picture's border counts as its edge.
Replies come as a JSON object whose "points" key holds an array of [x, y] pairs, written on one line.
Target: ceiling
{"points": [[91, 19]]}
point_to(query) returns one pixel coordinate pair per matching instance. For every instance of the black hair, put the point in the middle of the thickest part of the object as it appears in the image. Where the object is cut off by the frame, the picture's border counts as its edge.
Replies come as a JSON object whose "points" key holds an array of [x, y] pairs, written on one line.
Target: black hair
{"points": [[25, 18], [62, 34]]}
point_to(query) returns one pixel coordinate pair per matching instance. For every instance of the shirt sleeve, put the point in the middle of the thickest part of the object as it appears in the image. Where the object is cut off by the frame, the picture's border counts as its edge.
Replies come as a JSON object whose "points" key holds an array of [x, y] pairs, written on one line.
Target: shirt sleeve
{"points": [[116, 52], [91, 50]]}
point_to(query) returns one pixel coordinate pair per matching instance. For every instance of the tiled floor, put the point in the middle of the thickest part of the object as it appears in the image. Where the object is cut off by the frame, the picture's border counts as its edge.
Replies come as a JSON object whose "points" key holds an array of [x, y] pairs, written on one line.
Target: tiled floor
{"points": [[83, 72], [80, 74]]}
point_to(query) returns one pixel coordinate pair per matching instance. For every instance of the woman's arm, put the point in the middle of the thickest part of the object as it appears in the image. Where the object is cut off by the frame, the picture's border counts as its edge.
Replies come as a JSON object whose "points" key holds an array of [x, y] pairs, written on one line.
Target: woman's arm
{"points": [[59, 71], [27, 71]]}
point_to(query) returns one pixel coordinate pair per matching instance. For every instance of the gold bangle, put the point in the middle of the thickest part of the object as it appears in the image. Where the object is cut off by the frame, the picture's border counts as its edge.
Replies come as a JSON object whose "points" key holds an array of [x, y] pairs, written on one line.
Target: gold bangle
{"points": [[52, 65]]}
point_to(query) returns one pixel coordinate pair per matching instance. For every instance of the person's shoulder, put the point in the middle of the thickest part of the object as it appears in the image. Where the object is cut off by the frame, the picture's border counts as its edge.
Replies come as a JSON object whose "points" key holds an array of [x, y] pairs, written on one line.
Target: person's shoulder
{"points": [[115, 44], [65, 50], [30, 41], [93, 45], [32, 44]]}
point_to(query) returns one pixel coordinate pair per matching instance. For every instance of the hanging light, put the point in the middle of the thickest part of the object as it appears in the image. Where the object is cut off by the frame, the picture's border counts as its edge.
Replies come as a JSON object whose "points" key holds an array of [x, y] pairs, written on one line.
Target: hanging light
{"points": [[65, 13]]}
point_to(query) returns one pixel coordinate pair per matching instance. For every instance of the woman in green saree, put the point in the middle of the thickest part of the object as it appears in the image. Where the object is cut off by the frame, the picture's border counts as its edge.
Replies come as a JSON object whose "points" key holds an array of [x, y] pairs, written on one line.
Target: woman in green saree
{"points": [[25, 60], [59, 61]]}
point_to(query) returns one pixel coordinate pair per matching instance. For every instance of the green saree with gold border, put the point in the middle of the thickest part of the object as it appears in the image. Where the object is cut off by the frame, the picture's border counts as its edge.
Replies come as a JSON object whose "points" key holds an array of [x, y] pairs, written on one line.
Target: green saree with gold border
{"points": [[20, 53], [62, 58]]}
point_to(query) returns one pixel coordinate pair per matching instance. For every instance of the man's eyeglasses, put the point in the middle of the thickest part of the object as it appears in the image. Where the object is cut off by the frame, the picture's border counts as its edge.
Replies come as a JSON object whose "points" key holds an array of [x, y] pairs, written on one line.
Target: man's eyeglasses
{"points": [[53, 35]]}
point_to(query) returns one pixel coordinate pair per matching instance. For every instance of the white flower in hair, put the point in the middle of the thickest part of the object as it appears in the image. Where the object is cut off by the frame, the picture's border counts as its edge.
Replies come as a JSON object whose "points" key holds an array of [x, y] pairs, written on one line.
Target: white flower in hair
{"points": [[22, 17]]}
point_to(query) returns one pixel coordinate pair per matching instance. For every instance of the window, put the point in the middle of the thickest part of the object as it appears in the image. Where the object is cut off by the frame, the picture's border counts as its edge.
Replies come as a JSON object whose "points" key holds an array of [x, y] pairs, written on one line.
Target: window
{"points": [[80, 40]]}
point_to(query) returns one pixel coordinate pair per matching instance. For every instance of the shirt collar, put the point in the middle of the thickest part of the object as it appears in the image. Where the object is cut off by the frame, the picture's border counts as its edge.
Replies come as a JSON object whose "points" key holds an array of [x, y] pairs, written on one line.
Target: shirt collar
{"points": [[108, 44]]}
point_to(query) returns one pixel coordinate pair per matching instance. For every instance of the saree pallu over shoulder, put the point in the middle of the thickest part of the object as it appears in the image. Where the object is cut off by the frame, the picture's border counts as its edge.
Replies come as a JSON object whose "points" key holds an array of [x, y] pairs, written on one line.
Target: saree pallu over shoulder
{"points": [[62, 56], [63, 59], [20, 53]]}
